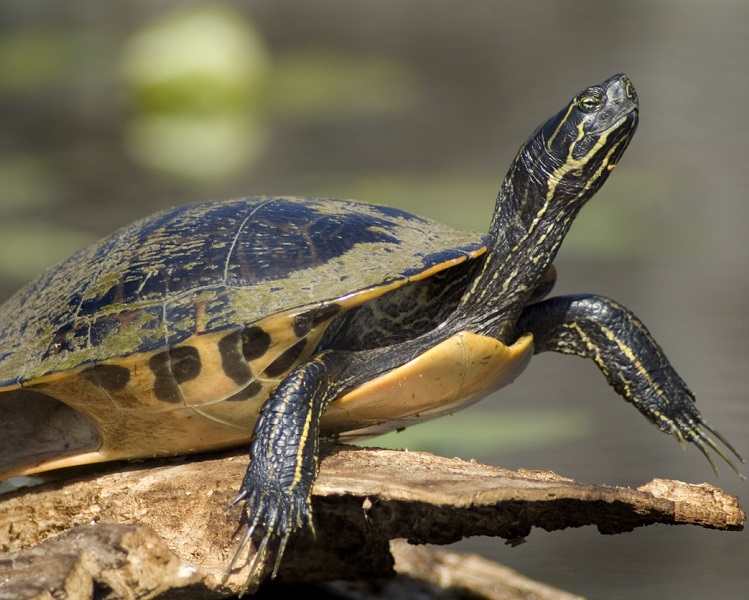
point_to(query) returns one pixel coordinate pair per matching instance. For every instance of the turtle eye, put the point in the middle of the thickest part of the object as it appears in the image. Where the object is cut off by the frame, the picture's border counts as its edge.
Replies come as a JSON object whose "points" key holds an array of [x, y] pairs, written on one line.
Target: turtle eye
{"points": [[590, 100]]}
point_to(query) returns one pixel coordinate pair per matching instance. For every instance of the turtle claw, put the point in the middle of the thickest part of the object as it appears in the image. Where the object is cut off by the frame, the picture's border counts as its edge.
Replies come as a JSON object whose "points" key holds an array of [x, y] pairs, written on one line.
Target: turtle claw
{"points": [[691, 428], [255, 560], [278, 514]]}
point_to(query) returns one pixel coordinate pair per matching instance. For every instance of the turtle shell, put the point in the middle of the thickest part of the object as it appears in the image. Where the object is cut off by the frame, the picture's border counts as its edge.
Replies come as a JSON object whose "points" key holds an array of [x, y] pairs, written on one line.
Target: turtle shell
{"points": [[167, 336]]}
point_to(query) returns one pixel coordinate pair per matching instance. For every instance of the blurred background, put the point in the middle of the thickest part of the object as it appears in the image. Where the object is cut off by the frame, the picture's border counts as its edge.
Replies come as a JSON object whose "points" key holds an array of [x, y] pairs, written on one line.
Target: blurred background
{"points": [[111, 111]]}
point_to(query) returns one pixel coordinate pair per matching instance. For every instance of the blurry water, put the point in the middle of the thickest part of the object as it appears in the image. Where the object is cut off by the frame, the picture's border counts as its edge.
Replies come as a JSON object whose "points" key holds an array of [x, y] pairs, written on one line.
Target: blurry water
{"points": [[423, 105]]}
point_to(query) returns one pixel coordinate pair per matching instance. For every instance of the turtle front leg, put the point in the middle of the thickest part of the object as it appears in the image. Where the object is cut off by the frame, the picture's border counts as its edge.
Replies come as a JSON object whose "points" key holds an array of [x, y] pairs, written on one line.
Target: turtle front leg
{"points": [[284, 456], [631, 360]]}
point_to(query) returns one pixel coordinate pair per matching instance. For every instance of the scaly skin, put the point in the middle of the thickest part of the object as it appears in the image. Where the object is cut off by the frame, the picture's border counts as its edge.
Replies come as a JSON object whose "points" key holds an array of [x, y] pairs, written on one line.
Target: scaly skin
{"points": [[633, 363], [554, 174]]}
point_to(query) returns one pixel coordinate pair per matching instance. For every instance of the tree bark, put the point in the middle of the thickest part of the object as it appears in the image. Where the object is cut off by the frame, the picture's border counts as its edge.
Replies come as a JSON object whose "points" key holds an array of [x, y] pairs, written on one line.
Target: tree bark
{"points": [[151, 530]]}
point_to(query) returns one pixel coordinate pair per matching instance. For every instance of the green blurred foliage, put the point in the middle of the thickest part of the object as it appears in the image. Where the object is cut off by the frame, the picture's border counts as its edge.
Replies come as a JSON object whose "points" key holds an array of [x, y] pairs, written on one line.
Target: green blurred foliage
{"points": [[193, 81], [503, 432], [34, 57], [201, 90], [321, 83], [27, 245]]}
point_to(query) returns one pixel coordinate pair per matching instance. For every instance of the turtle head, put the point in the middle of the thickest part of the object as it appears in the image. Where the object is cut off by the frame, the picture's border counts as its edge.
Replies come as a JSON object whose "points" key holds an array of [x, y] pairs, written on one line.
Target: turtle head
{"points": [[556, 171], [570, 156]]}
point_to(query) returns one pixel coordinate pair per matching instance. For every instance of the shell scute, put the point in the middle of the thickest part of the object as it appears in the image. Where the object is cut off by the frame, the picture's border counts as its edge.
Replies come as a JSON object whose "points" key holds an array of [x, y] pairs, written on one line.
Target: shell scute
{"points": [[211, 267], [167, 336]]}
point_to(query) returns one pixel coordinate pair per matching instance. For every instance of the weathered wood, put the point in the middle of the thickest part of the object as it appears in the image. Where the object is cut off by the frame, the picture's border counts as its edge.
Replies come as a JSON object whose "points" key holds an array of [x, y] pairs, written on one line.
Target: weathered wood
{"points": [[363, 499], [468, 575]]}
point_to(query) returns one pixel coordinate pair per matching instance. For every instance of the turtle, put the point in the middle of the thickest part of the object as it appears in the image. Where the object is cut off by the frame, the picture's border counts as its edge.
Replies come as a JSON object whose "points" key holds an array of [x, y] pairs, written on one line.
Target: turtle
{"points": [[278, 321]]}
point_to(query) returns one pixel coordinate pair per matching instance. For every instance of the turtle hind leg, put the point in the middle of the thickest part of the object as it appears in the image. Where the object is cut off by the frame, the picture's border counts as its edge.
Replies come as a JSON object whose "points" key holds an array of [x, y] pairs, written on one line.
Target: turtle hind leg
{"points": [[631, 360]]}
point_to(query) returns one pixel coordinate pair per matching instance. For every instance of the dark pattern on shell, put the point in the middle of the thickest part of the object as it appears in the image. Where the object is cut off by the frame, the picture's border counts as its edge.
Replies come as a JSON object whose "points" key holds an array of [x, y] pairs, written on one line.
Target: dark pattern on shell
{"points": [[287, 360], [255, 342], [172, 367], [232, 361], [109, 377], [305, 321], [252, 390], [210, 267]]}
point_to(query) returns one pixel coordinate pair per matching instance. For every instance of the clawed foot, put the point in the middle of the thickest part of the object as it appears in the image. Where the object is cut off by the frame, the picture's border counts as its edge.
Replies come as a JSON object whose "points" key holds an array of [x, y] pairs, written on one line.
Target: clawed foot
{"points": [[664, 398], [689, 426], [276, 515], [633, 363]]}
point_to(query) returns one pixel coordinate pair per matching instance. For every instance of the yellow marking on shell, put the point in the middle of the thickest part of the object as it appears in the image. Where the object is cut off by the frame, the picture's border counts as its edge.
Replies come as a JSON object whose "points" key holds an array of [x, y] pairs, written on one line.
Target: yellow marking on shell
{"points": [[234, 240], [133, 423], [454, 374], [362, 296], [212, 384], [130, 423]]}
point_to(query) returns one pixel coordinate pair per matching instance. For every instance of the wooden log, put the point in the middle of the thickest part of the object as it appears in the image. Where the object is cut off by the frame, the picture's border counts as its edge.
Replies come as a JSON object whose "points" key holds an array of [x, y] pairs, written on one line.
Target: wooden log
{"points": [[174, 510]]}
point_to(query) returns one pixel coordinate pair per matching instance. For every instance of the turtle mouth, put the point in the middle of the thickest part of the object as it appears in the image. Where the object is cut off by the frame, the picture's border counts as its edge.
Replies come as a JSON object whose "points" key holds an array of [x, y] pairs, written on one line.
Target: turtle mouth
{"points": [[621, 105], [38, 430], [617, 120], [621, 132]]}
